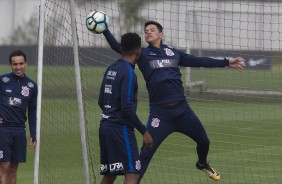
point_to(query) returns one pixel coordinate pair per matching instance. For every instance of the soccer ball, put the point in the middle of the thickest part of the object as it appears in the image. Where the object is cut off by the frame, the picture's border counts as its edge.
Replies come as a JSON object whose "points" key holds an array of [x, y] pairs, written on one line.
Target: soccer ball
{"points": [[97, 22]]}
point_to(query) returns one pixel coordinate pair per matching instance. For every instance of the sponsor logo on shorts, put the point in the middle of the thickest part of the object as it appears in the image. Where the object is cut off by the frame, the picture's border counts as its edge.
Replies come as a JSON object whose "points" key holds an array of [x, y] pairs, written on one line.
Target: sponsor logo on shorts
{"points": [[116, 167], [103, 167], [155, 122], [138, 165], [1, 154]]}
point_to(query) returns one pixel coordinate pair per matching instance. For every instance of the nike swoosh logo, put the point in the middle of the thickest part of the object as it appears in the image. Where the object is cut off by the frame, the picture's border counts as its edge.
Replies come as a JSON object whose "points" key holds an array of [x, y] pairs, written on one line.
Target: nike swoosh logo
{"points": [[256, 62]]}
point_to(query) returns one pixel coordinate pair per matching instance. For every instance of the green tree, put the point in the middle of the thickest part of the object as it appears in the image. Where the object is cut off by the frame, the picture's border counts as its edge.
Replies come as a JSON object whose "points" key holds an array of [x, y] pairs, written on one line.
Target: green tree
{"points": [[24, 34]]}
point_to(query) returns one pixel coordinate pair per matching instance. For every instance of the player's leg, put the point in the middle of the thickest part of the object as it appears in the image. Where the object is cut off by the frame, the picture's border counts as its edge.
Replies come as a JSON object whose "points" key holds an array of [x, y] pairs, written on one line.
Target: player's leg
{"points": [[4, 172], [104, 157], [108, 179], [13, 173], [159, 129], [118, 153], [193, 128], [131, 166], [130, 178], [18, 154], [5, 155], [190, 125]]}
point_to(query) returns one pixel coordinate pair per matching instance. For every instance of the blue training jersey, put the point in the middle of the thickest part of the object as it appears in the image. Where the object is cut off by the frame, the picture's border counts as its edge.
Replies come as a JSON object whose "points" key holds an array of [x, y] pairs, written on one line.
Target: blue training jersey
{"points": [[118, 96], [17, 95], [160, 68]]}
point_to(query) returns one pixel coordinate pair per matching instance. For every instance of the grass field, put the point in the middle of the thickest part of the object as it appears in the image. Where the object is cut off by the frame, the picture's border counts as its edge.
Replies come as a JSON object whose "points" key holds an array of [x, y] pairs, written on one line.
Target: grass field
{"points": [[245, 131]]}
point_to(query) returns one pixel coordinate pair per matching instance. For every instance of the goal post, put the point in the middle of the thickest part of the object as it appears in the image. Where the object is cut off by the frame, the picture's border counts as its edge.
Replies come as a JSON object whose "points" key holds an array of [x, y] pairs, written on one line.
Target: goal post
{"points": [[77, 77], [241, 111], [79, 93], [39, 84]]}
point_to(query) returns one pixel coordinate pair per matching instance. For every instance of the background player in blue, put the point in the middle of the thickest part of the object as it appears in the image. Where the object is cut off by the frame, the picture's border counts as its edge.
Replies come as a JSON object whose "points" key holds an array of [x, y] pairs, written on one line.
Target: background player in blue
{"points": [[118, 100], [169, 110], [18, 93]]}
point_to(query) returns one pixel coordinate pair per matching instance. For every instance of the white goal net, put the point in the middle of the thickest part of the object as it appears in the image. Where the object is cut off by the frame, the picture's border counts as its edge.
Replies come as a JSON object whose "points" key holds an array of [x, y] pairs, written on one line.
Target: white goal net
{"points": [[241, 111]]}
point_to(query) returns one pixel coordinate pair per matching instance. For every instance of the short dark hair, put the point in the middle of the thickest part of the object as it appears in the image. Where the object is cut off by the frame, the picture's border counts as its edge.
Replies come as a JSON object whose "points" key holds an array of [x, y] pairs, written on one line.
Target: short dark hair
{"points": [[159, 26], [130, 42], [17, 53]]}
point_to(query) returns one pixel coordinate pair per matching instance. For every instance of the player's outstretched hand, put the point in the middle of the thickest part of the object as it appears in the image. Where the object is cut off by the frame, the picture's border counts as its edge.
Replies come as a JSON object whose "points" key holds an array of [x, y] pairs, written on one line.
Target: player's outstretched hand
{"points": [[148, 140], [237, 63]]}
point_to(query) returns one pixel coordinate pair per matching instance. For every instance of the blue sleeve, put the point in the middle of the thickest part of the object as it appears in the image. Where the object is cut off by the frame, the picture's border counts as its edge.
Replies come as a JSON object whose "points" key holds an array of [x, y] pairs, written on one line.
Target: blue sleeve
{"points": [[128, 105], [32, 113], [188, 60], [114, 44]]}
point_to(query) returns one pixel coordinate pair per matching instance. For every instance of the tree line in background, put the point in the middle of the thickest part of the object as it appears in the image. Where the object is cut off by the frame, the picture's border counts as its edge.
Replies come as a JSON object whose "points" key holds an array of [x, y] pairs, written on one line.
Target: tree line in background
{"points": [[27, 32], [24, 34]]}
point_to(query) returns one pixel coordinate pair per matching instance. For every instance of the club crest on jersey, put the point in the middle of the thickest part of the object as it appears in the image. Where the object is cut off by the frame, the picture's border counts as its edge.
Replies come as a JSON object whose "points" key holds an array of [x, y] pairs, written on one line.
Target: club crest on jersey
{"points": [[155, 122], [5, 79], [169, 52], [25, 91]]}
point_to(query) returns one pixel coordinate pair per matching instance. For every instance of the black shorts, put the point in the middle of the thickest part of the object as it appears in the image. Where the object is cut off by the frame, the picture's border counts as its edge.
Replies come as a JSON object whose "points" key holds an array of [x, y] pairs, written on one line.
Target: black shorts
{"points": [[118, 150], [12, 145]]}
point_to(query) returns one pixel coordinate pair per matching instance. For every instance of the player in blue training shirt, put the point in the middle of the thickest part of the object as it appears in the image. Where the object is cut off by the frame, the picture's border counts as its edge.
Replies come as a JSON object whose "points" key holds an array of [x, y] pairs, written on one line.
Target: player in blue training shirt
{"points": [[119, 153], [18, 93], [169, 110]]}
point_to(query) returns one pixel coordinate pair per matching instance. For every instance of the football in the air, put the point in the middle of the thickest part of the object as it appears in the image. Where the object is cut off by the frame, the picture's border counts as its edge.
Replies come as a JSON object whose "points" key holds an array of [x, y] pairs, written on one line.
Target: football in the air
{"points": [[97, 22]]}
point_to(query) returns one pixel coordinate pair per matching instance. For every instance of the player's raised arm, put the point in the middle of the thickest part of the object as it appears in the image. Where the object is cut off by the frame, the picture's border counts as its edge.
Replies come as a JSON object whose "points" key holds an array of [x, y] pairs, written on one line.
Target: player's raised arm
{"points": [[115, 45]]}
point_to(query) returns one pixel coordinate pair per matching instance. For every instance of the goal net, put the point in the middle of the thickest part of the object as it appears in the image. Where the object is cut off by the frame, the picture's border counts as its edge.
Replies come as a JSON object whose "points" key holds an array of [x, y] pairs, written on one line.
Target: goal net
{"points": [[241, 111]]}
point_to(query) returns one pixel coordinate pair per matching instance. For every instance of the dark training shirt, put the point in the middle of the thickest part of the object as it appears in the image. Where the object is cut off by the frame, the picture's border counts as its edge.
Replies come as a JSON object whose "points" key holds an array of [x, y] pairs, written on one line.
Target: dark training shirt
{"points": [[160, 68], [17, 95], [118, 96]]}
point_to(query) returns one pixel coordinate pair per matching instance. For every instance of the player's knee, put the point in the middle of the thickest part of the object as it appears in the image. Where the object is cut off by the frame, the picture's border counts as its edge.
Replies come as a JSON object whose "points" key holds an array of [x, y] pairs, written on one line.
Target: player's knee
{"points": [[205, 142], [130, 178], [13, 170], [4, 167], [108, 179]]}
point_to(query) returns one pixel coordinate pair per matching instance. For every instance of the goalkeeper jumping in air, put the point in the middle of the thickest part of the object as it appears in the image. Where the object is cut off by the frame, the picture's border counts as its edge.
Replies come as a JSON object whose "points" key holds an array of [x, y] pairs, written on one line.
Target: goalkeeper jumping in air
{"points": [[169, 110]]}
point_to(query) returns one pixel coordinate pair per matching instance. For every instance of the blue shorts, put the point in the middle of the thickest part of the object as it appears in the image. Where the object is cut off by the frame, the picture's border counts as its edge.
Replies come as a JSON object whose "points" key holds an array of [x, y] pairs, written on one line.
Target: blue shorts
{"points": [[118, 150], [12, 145]]}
